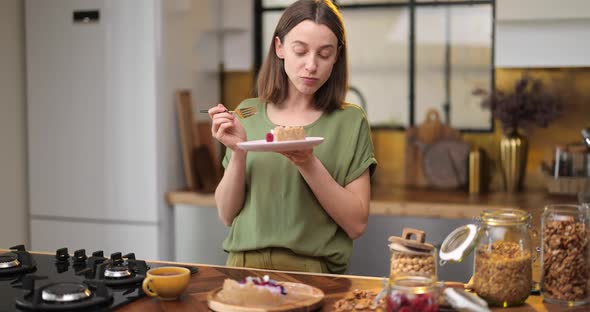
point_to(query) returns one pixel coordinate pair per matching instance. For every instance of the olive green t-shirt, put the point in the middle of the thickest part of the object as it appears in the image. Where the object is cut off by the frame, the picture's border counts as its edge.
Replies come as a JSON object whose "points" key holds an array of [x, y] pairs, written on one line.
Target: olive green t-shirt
{"points": [[280, 210]]}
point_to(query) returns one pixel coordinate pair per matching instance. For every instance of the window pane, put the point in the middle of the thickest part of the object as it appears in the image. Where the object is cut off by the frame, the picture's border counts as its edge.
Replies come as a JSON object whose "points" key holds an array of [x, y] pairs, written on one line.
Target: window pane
{"points": [[345, 2], [270, 19], [453, 57], [378, 53], [285, 3], [276, 3], [471, 65]]}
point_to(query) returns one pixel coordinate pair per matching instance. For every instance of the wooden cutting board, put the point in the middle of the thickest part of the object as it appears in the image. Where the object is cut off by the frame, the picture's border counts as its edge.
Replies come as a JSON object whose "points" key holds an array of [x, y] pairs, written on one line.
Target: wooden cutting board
{"points": [[188, 140], [418, 139], [303, 304], [445, 164]]}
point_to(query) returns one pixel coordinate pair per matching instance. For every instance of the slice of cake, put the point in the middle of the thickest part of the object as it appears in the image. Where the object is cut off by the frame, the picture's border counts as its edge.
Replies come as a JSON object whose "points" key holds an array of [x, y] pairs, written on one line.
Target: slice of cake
{"points": [[286, 133]]}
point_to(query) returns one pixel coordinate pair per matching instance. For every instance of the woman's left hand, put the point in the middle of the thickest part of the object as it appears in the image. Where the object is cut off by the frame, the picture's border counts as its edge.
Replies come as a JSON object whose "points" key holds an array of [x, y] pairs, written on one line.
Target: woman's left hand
{"points": [[299, 157]]}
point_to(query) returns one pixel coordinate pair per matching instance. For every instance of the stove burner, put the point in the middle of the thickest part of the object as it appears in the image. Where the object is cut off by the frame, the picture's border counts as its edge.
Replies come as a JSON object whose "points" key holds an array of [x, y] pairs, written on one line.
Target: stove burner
{"points": [[127, 273], [117, 271], [65, 292], [17, 261], [8, 260], [68, 295]]}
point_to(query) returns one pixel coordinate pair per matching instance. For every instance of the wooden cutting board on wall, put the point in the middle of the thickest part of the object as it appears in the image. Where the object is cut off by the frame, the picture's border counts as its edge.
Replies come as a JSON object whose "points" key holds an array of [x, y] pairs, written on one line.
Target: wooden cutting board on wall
{"points": [[418, 140], [202, 170], [188, 140]]}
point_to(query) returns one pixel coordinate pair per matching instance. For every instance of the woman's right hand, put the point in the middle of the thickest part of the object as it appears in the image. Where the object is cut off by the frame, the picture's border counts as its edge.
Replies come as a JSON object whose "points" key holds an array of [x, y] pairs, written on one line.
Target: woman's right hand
{"points": [[225, 127]]}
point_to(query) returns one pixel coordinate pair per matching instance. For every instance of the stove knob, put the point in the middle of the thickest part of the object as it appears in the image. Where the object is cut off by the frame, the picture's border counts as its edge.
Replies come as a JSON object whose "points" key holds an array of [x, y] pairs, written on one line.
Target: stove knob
{"points": [[80, 256], [98, 254], [62, 255], [18, 248], [129, 256], [116, 258]]}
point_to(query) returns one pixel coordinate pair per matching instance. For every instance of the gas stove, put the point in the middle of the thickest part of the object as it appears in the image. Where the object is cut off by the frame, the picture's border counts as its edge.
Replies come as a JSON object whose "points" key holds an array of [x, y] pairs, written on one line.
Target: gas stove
{"points": [[40, 282]]}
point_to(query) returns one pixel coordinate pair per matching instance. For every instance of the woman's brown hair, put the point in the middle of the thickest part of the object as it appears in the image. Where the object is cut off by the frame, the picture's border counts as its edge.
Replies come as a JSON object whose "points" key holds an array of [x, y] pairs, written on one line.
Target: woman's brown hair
{"points": [[273, 83]]}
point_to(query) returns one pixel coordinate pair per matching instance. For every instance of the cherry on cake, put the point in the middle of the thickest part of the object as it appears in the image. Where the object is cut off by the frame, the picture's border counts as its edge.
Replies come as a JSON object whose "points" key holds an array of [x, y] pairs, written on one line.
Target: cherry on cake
{"points": [[286, 133]]}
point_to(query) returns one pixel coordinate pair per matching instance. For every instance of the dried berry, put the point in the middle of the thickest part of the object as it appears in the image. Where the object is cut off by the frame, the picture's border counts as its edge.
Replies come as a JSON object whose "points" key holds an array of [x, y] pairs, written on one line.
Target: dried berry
{"points": [[269, 137]]}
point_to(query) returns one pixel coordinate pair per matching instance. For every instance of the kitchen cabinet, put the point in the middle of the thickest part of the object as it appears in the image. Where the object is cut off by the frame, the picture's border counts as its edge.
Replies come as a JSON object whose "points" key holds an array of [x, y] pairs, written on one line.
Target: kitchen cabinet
{"points": [[532, 33], [199, 234], [102, 140]]}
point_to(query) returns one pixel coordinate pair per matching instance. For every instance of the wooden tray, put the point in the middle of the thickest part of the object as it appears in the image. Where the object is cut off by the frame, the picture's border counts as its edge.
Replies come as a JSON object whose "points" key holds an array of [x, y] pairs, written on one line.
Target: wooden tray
{"points": [[309, 303]]}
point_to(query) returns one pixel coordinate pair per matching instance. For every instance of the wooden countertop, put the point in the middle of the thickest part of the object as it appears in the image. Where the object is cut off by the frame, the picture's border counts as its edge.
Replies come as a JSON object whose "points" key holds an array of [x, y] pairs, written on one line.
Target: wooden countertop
{"points": [[424, 203], [334, 286]]}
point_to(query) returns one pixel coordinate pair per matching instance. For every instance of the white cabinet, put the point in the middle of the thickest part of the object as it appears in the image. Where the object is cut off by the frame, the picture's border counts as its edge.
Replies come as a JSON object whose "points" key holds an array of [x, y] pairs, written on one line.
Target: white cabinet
{"points": [[535, 10], [542, 33], [103, 143], [138, 238], [199, 235]]}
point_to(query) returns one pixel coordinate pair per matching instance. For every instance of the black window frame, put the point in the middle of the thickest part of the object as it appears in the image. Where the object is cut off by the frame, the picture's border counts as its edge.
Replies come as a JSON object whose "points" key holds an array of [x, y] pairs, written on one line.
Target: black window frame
{"points": [[411, 5]]}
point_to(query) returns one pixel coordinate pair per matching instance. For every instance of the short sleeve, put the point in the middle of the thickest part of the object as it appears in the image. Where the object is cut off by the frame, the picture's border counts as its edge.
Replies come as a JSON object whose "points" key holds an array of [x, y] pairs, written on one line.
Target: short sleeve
{"points": [[364, 155]]}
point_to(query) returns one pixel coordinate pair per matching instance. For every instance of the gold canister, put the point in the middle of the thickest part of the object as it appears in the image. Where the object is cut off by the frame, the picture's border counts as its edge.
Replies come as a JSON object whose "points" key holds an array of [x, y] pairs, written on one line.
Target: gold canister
{"points": [[513, 156], [475, 172]]}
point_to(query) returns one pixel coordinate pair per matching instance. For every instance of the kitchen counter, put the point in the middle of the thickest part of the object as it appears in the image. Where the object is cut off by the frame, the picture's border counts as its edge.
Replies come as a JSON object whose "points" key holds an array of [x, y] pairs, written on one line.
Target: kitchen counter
{"points": [[424, 203], [334, 286]]}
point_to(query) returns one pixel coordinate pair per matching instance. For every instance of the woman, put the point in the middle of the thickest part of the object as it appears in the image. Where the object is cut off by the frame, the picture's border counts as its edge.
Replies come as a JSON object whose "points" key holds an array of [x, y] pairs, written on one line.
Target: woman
{"points": [[297, 210]]}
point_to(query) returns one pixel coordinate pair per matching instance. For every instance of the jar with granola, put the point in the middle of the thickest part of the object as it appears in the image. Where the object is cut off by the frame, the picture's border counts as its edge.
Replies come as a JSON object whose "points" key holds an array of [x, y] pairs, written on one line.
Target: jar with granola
{"points": [[566, 254], [503, 255], [412, 256]]}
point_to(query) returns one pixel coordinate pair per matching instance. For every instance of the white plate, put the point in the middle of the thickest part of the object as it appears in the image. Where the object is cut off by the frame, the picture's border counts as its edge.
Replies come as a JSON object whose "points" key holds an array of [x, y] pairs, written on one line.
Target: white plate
{"points": [[283, 146]]}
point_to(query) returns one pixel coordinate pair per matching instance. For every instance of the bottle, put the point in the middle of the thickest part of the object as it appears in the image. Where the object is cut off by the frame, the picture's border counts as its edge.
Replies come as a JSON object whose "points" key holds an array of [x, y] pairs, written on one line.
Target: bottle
{"points": [[475, 174]]}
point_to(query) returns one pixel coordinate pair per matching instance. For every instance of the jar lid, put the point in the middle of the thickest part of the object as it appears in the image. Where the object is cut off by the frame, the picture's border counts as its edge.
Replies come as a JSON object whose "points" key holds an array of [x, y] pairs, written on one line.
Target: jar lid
{"points": [[405, 243], [459, 243], [414, 284], [507, 216]]}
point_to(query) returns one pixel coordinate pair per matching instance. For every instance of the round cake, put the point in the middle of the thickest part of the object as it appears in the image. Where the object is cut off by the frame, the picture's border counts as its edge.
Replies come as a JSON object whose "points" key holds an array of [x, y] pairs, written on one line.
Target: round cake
{"points": [[253, 291]]}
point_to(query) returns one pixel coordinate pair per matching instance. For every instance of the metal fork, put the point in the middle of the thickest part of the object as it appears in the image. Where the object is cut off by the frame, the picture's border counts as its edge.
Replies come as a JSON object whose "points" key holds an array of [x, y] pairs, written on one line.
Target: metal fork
{"points": [[241, 112]]}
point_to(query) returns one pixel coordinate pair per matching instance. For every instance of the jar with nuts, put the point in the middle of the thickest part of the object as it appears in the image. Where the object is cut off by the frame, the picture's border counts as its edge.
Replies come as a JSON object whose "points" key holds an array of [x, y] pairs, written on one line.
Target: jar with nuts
{"points": [[503, 255], [412, 256], [565, 254]]}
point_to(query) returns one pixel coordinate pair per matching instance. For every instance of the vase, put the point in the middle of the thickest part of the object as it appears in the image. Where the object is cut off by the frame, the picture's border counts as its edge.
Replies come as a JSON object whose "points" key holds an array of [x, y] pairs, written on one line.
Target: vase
{"points": [[513, 154]]}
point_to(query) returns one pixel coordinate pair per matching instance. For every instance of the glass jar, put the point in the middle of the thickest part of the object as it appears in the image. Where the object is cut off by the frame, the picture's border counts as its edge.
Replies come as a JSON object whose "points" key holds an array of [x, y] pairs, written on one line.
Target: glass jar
{"points": [[565, 269], [504, 258], [503, 255], [412, 256], [413, 293]]}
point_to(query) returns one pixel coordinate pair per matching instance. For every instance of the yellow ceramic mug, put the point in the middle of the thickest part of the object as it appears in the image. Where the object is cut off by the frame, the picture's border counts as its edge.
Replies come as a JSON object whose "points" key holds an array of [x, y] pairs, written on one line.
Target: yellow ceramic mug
{"points": [[166, 283]]}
